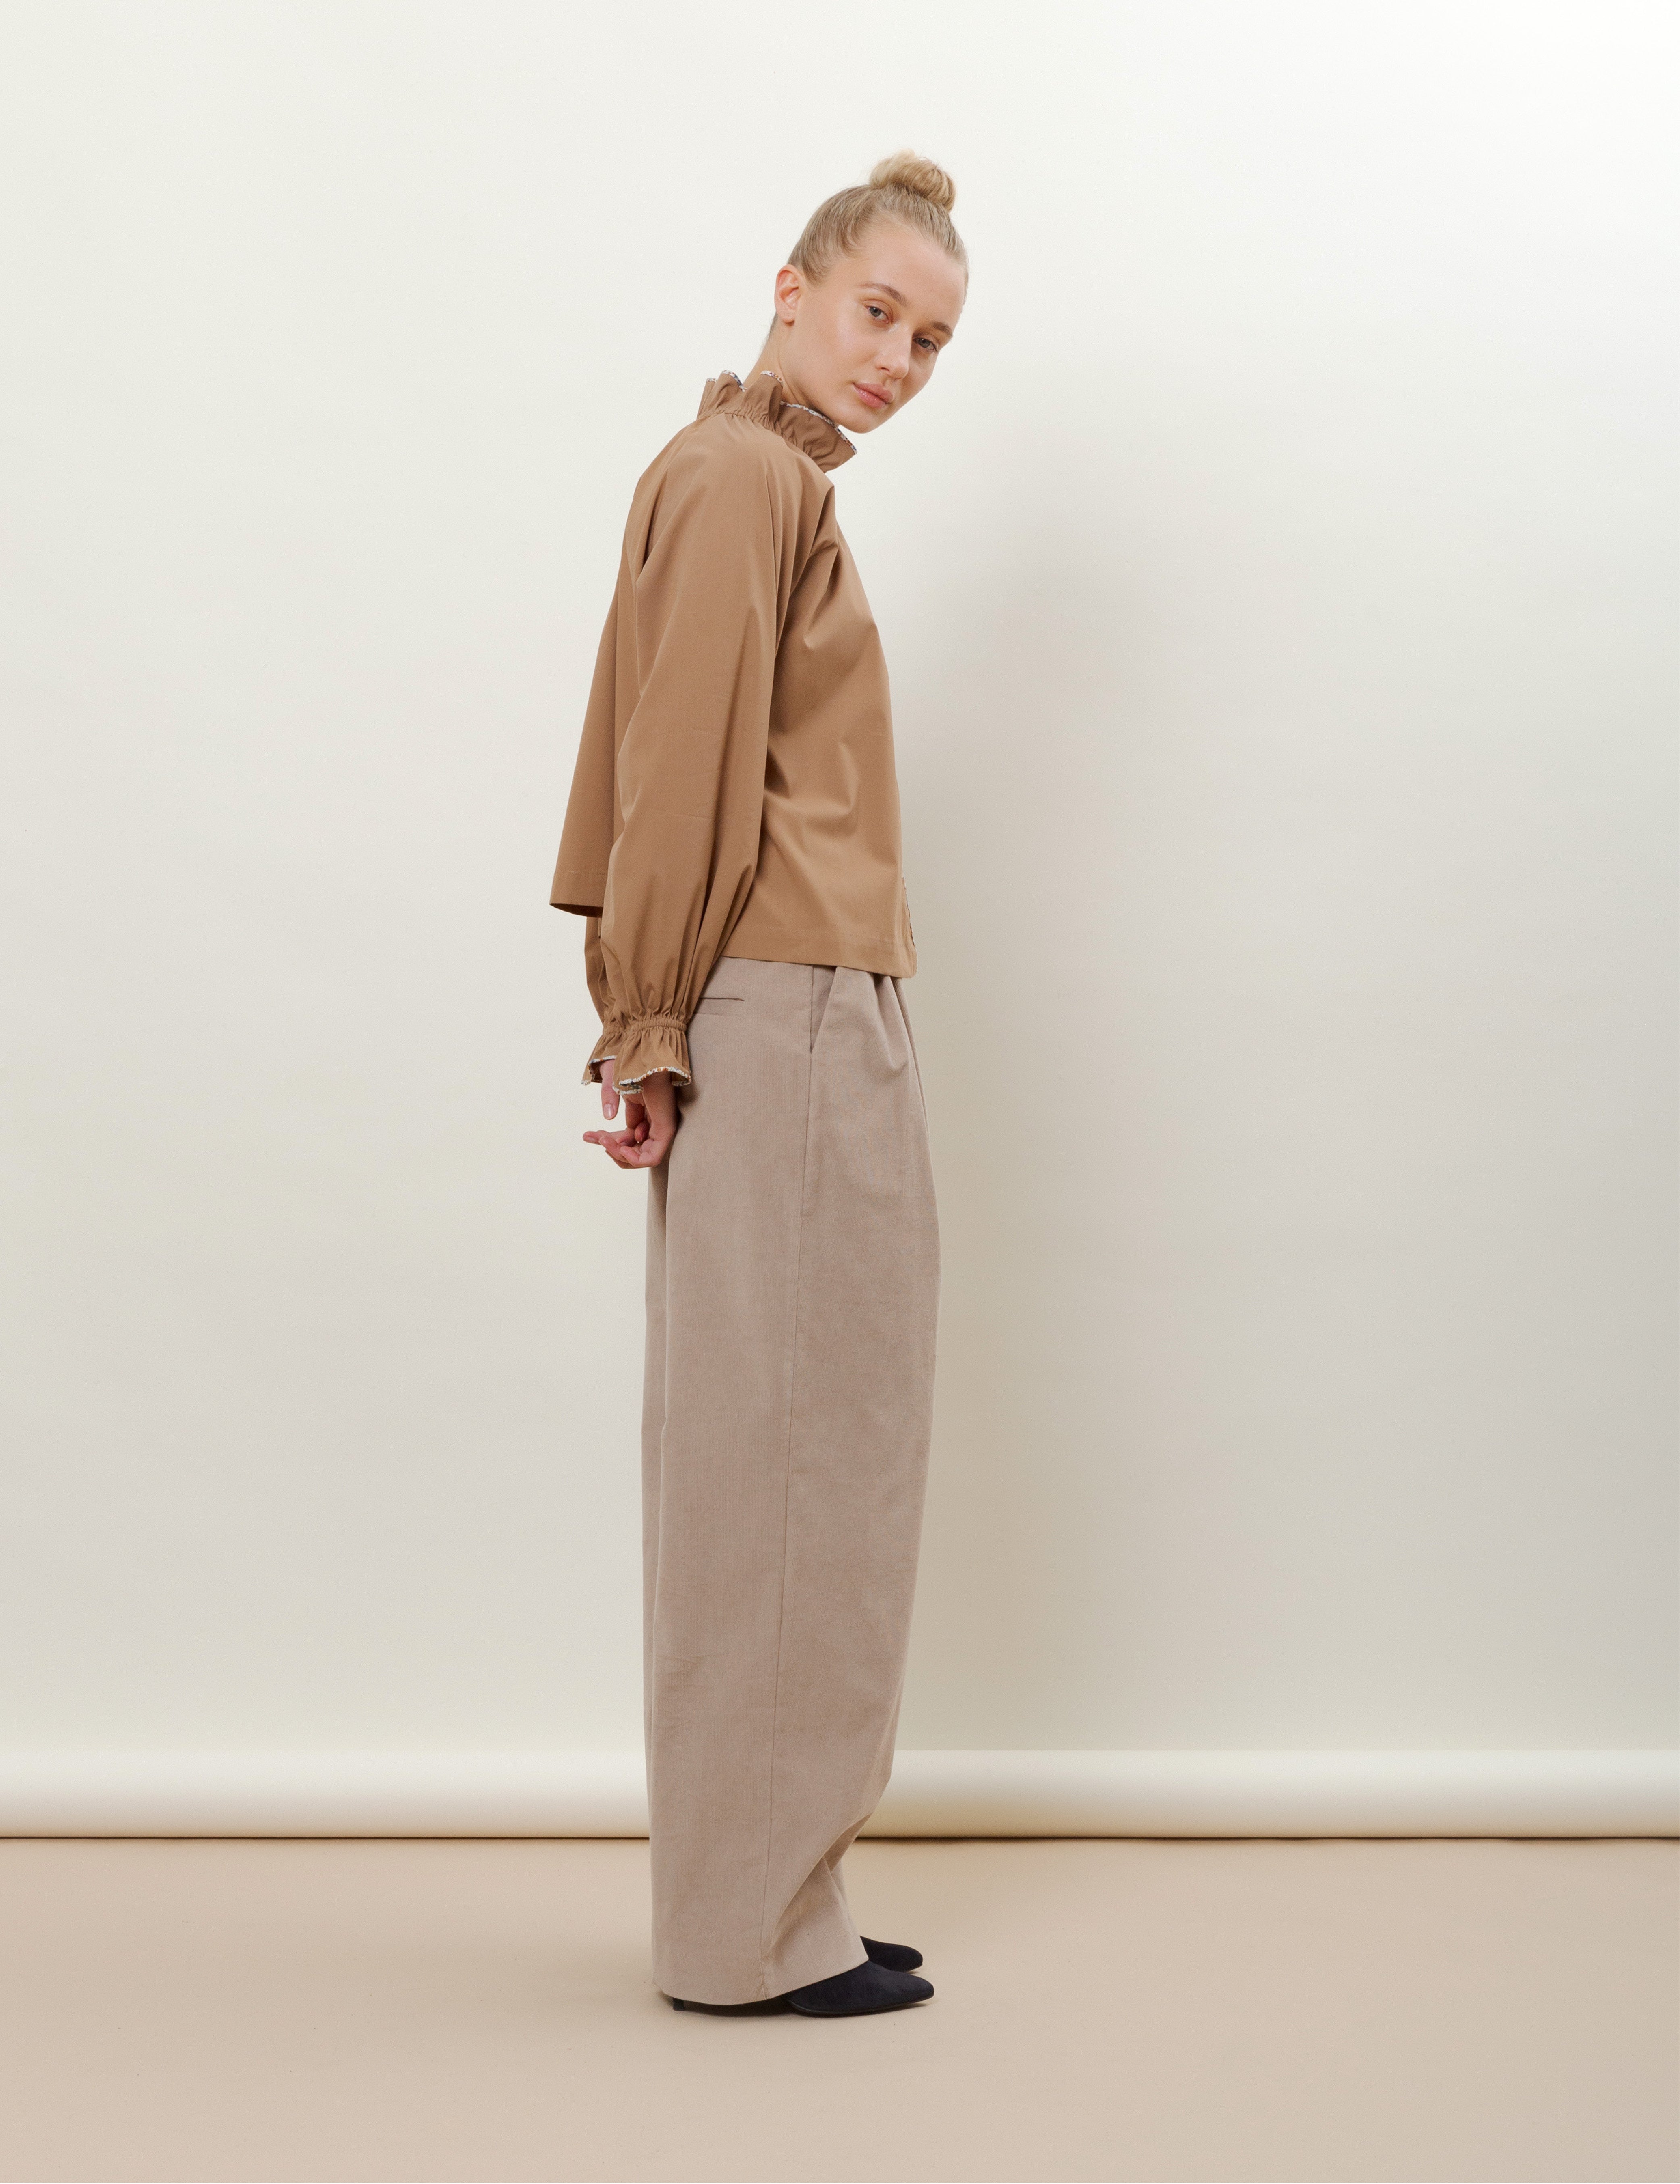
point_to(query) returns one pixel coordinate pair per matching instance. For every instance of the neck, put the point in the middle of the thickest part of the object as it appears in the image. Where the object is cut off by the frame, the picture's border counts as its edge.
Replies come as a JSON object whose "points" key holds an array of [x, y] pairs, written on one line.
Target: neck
{"points": [[770, 360]]}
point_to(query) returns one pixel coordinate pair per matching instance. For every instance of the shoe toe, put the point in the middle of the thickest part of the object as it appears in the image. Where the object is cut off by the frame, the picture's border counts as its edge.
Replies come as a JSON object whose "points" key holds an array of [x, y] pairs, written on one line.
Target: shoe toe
{"points": [[896, 1956], [864, 1991]]}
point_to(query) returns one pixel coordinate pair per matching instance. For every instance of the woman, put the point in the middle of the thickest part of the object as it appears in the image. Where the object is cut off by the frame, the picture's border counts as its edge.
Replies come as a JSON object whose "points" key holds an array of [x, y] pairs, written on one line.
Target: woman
{"points": [[733, 840]]}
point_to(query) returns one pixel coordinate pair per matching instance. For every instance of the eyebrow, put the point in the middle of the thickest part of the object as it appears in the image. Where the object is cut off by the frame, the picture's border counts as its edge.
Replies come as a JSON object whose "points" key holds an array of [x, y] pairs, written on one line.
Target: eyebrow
{"points": [[899, 297]]}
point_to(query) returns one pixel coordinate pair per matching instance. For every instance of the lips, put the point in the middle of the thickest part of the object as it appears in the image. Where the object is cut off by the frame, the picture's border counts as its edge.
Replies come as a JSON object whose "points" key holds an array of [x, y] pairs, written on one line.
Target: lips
{"points": [[874, 398]]}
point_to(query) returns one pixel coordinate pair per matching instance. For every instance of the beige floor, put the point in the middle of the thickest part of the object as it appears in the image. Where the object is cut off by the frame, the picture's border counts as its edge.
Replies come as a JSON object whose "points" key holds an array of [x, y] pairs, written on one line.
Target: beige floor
{"points": [[1105, 2010]]}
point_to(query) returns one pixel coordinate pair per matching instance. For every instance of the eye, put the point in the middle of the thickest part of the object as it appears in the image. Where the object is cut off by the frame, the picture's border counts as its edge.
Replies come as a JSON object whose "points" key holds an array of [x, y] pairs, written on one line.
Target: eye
{"points": [[875, 310], [928, 343]]}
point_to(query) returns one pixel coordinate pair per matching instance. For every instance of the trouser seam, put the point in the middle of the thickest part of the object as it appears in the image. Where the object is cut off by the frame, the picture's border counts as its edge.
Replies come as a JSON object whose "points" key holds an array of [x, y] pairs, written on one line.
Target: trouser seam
{"points": [[787, 1505]]}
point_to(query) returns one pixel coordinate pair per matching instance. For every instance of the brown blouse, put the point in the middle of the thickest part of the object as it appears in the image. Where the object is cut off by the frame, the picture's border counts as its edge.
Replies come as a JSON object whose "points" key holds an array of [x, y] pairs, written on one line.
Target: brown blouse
{"points": [[735, 791]]}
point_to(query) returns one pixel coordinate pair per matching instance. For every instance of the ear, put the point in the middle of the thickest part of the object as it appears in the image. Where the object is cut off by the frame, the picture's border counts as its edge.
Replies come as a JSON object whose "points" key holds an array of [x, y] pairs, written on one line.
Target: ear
{"points": [[790, 286]]}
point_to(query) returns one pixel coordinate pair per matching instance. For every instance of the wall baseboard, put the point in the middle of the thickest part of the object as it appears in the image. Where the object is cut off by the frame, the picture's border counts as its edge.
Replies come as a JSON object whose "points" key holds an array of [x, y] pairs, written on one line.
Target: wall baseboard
{"points": [[933, 1793]]}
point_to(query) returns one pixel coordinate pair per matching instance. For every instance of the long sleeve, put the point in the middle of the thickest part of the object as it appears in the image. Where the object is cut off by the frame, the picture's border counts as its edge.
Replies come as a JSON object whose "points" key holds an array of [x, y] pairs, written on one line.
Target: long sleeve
{"points": [[705, 607], [612, 1023]]}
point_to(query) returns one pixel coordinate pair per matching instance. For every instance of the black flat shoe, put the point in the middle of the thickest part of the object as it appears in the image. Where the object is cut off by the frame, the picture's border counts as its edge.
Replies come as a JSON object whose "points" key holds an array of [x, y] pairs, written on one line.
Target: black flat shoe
{"points": [[897, 1955], [862, 1991]]}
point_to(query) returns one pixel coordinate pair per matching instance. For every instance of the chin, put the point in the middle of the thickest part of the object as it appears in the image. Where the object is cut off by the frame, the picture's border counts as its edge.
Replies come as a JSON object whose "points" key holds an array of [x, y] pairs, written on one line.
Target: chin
{"points": [[855, 416]]}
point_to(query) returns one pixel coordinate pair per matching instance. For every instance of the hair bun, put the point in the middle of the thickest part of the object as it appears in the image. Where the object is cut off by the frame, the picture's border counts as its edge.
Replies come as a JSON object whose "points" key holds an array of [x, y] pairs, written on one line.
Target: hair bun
{"points": [[907, 170], [905, 191]]}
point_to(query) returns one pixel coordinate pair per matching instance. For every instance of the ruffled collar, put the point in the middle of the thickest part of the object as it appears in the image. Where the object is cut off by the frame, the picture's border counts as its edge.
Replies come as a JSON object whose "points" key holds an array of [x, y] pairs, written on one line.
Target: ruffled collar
{"points": [[765, 404]]}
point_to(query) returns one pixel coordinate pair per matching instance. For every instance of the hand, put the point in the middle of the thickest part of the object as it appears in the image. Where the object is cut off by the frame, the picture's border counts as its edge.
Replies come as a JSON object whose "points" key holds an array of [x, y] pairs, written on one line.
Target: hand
{"points": [[650, 1119]]}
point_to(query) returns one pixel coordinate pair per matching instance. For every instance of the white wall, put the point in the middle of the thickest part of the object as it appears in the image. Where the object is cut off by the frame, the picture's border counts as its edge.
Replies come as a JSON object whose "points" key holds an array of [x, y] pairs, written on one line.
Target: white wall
{"points": [[1275, 582]]}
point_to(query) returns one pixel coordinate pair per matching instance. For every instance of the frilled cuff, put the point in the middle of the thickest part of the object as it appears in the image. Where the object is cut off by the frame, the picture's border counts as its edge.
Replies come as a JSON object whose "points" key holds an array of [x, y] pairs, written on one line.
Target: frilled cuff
{"points": [[605, 1049], [646, 1043]]}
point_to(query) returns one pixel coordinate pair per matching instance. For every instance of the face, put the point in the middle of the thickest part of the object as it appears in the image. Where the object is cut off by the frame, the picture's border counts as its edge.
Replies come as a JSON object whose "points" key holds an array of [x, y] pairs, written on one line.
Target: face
{"points": [[861, 344]]}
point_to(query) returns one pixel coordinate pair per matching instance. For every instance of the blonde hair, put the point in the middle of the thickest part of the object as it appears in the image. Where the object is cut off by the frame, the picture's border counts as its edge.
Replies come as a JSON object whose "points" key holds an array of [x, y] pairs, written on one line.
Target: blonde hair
{"points": [[911, 190]]}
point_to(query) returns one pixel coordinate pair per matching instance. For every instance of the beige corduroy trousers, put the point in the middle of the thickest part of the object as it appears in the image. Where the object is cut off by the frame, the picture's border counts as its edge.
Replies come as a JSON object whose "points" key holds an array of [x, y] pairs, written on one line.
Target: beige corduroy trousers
{"points": [[793, 1292]]}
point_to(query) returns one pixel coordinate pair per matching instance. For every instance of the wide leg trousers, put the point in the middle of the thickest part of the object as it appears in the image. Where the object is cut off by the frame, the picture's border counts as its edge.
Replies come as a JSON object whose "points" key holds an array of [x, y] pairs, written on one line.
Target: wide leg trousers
{"points": [[792, 1291]]}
